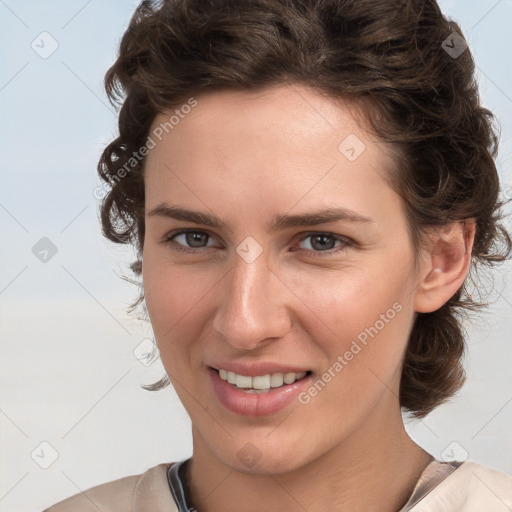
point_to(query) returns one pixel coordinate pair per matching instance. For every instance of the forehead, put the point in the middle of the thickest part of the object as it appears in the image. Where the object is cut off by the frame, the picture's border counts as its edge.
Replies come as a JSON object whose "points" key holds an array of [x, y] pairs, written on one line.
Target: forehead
{"points": [[297, 113], [286, 144]]}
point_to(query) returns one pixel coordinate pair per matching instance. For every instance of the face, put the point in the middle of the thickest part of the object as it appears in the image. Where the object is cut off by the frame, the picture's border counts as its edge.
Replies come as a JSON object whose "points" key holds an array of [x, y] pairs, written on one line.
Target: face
{"points": [[274, 245]]}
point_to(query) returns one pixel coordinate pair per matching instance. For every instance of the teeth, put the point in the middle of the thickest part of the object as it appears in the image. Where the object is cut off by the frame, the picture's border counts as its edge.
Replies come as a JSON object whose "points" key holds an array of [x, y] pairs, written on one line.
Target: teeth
{"points": [[276, 380], [260, 383], [289, 378], [242, 381]]}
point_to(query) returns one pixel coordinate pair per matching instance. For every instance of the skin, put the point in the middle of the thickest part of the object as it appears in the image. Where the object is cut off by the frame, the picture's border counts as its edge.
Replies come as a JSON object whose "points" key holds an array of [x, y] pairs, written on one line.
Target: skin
{"points": [[246, 158]]}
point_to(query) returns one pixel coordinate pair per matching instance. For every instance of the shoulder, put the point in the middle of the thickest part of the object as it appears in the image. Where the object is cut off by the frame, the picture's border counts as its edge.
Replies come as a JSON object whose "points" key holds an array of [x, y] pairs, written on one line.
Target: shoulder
{"points": [[147, 491], [472, 487]]}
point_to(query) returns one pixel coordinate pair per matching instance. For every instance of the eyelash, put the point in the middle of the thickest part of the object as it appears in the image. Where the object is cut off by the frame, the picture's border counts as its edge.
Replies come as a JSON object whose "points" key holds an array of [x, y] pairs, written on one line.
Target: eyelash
{"points": [[169, 240]]}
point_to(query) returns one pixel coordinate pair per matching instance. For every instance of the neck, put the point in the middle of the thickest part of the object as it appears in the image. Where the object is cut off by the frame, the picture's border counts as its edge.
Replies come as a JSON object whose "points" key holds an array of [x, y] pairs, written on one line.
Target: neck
{"points": [[374, 469]]}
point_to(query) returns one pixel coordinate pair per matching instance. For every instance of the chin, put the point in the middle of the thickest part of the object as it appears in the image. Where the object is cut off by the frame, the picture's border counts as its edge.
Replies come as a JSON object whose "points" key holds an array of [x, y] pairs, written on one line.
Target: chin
{"points": [[260, 457]]}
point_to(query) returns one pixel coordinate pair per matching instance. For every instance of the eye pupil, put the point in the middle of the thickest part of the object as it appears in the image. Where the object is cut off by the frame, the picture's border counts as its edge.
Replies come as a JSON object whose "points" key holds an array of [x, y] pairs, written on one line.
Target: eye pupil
{"points": [[195, 237], [323, 239]]}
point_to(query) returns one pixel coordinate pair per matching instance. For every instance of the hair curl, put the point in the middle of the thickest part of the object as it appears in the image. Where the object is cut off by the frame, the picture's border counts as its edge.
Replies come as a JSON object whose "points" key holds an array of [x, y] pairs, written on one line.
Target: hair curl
{"points": [[390, 57]]}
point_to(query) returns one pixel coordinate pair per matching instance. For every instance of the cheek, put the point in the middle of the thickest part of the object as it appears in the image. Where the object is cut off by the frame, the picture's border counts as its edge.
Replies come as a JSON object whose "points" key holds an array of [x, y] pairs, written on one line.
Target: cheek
{"points": [[333, 308], [360, 325], [347, 301], [176, 298]]}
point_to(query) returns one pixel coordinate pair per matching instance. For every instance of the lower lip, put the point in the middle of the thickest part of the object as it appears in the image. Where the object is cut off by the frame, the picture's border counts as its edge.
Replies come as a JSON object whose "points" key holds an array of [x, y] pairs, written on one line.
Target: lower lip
{"points": [[256, 404]]}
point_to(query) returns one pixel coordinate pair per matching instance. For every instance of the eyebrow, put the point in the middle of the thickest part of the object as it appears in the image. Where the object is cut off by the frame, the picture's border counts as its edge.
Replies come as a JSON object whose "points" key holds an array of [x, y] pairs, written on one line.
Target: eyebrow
{"points": [[279, 222]]}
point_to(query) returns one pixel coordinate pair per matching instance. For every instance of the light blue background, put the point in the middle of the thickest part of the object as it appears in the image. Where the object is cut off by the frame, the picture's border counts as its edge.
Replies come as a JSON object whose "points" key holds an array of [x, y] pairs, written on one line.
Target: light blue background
{"points": [[68, 373]]}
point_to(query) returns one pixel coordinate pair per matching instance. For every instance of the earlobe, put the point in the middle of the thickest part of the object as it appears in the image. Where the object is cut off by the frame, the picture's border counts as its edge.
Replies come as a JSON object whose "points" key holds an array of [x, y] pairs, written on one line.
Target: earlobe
{"points": [[446, 265]]}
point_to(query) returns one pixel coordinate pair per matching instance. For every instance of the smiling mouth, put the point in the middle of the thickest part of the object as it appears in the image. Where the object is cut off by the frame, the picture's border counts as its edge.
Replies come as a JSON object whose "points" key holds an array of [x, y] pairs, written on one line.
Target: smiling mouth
{"points": [[260, 383]]}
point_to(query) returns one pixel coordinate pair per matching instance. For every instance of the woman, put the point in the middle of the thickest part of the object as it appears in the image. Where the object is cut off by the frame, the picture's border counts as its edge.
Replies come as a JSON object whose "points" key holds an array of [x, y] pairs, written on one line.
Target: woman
{"points": [[308, 185]]}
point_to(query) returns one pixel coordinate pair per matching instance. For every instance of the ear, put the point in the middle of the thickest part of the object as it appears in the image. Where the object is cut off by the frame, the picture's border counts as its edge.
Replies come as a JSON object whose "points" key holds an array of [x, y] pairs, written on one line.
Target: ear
{"points": [[445, 265]]}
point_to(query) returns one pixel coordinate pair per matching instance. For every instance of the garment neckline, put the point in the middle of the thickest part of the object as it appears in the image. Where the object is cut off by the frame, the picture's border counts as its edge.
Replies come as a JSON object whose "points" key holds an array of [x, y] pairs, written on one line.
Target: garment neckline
{"points": [[434, 473]]}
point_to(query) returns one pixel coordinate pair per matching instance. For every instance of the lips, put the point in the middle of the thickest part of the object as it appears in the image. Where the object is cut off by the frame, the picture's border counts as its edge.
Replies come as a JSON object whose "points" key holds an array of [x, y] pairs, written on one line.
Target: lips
{"points": [[250, 401]]}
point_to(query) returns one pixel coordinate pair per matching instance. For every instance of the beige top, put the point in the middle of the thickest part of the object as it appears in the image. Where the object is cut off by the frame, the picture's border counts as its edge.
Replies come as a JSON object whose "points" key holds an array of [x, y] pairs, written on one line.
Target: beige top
{"points": [[442, 487]]}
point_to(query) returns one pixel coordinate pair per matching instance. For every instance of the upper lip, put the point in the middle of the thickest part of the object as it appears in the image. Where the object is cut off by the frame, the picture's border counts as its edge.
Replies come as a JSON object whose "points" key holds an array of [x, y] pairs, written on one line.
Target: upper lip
{"points": [[255, 369]]}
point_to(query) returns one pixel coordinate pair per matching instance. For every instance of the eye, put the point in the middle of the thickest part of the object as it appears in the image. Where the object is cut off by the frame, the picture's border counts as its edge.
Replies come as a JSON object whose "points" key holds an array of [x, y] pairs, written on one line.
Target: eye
{"points": [[325, 243], [194, 241], [190, 239]]}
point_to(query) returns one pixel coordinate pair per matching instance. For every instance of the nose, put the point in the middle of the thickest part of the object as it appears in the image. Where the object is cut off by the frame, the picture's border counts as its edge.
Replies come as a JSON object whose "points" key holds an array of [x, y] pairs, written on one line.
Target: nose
{"points": [[252, 305]]}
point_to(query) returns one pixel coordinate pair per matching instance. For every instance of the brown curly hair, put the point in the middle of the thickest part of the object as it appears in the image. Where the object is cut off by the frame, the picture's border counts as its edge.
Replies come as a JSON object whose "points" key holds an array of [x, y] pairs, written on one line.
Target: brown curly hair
{"points": [[393, 58]]}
